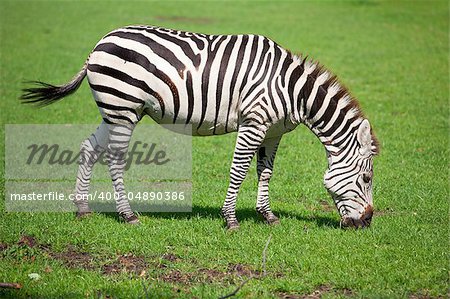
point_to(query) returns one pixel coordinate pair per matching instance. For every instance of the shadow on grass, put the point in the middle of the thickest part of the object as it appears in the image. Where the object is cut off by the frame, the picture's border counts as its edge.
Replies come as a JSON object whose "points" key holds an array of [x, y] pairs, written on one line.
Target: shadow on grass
{"points": [[241, 214]]}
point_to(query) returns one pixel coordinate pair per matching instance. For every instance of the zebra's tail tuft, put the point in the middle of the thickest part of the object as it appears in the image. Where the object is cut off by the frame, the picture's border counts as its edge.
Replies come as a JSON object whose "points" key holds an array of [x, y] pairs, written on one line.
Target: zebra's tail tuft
{"points": [[43, 94]]}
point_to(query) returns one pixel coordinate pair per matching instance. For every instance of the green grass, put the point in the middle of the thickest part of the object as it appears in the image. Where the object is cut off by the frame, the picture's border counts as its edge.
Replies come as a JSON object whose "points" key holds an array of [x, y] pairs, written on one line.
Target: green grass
{"points": [[394, 59]]}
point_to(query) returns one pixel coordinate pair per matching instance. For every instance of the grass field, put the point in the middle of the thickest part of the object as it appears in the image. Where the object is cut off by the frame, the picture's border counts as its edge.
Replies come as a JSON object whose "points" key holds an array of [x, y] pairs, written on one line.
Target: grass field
{"points": [[393, 56]]}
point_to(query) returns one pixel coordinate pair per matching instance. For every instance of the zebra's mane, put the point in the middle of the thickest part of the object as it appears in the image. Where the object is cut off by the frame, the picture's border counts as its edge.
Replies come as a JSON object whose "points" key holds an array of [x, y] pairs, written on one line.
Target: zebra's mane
{"points": [[343, 98]]}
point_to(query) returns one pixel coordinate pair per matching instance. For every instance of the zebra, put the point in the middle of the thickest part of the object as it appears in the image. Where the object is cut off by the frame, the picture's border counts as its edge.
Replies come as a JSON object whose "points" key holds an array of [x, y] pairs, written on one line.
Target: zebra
{"points": [[220, 84]]}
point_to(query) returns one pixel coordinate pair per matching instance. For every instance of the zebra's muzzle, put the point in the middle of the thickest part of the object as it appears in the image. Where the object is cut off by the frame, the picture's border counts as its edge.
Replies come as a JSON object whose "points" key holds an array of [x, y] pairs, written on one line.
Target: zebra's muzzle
{"points": [[362, 222]]}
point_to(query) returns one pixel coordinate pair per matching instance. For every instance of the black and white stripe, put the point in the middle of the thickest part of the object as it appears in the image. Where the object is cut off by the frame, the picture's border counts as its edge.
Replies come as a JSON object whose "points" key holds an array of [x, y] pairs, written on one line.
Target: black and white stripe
{"points": [[220, 84]]}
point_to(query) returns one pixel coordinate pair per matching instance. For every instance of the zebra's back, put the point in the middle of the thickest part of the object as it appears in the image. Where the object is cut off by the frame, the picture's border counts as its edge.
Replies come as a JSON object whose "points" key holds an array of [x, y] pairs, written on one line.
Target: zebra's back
{"points": [[206, 81]]}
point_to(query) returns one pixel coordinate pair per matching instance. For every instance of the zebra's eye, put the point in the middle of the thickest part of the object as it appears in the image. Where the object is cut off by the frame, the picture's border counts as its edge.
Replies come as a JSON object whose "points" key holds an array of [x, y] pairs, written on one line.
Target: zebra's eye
{"points": [[366, 177]]}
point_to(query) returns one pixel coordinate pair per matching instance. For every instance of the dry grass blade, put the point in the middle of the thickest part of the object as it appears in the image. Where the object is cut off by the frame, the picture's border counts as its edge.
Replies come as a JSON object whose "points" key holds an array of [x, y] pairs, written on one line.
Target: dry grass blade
{"points": [[264, 273]]}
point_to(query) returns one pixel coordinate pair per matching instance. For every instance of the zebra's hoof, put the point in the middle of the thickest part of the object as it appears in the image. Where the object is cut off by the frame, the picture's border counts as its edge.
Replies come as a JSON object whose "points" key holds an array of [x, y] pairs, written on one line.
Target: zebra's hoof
{"points": [[232, 225], [270, 218], [273, 220], [81, 215], [133, 219]]}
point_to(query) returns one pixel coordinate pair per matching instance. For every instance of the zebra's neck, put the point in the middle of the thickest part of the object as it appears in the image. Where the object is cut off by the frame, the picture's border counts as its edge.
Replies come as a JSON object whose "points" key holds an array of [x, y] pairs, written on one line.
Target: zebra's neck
{"points": [[325, 106]]}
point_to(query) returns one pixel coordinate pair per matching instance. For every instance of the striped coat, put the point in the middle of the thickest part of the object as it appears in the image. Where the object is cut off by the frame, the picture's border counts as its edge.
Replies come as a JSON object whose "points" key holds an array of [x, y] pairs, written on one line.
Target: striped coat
{"points": [[219, 84]]}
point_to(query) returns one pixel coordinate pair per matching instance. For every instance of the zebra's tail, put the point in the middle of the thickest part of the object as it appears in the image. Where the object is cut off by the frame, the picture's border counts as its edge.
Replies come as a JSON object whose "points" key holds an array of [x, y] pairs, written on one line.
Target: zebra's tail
{"points": [[43, 94]]}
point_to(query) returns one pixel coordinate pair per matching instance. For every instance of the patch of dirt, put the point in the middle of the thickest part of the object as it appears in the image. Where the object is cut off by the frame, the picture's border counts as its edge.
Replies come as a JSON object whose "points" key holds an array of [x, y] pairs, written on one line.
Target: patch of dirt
{"points": [[206, 275], [171, 257], [177, 276], [326, 206], [318, 293], [161, 266], [73, 258], [424, 295], [3, 246], [211, 275], [242, 270], [126, 263], [181, 19], [200, 275], [27, 241], [347, 292]]}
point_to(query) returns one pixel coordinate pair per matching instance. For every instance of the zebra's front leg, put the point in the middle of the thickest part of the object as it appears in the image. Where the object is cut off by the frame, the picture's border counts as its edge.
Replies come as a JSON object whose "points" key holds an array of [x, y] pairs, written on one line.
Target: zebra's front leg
{"points": [[248, 140], [266, 157], [119, 139], [91, 149]]}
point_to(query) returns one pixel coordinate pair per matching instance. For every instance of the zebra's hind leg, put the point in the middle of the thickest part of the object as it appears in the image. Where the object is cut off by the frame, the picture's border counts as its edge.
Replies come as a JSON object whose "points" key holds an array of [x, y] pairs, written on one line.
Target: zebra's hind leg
{"points": [[248, 140], [266, 157], [91, 149], [119, 139]]}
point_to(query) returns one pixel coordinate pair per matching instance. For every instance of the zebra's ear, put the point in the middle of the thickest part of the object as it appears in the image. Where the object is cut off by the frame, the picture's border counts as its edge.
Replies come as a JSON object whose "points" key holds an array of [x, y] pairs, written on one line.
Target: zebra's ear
{"points": [[364, 138]]}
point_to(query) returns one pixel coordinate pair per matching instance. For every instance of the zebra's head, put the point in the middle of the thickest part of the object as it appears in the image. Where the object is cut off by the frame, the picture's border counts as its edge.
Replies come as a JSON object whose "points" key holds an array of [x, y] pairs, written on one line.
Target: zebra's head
{"points": [[349, 178]]}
